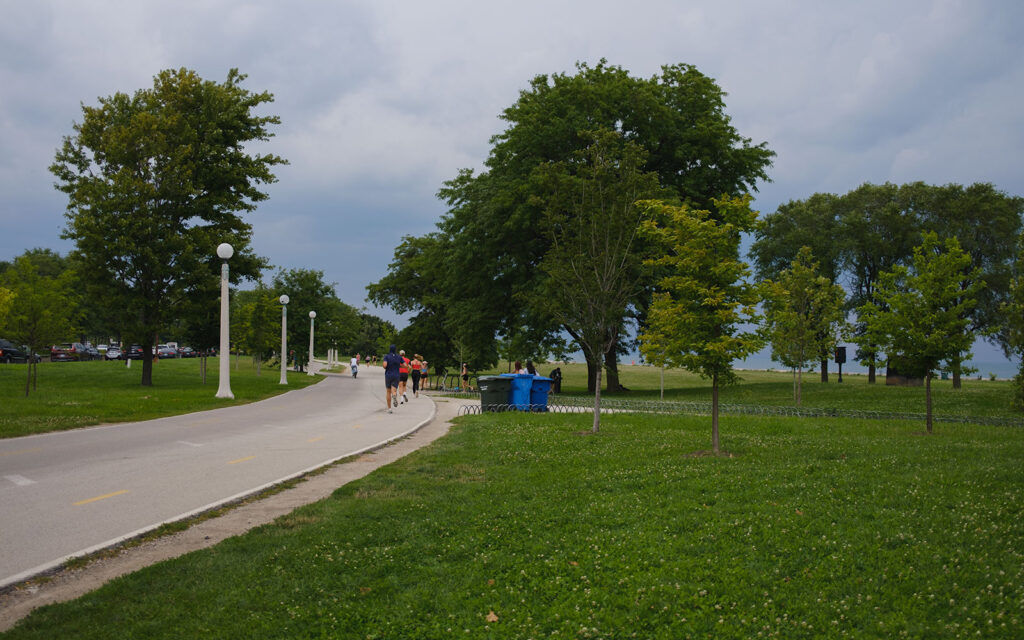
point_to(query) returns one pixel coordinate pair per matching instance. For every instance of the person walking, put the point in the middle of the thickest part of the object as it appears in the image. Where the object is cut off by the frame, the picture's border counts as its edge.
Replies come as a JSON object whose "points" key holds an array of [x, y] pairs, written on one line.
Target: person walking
{"points": [[465, 377], [403, 376], [415, 372], [424, 374], [354, 363], [392, 364]]}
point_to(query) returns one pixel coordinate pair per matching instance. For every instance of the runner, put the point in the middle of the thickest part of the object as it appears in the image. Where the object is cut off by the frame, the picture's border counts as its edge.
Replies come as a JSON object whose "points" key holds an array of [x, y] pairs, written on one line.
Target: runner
{"points": [[415, 366], [424, 374], [391, 363], [403, 376]]}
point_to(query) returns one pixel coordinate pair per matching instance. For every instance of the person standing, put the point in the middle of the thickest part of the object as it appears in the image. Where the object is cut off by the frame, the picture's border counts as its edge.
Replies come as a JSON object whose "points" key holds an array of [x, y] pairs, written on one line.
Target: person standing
{"points": [[415, 372], [530, 369], [392, 364], [403, 376]]}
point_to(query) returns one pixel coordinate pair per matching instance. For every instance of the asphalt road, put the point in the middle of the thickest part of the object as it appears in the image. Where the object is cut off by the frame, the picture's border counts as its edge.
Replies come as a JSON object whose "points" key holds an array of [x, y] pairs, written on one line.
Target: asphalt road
{"points": [[67, 494]]}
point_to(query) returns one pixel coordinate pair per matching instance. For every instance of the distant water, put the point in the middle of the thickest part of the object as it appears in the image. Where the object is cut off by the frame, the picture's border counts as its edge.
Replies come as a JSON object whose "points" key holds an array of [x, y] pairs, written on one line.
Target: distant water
{"points": [[988, 360]]}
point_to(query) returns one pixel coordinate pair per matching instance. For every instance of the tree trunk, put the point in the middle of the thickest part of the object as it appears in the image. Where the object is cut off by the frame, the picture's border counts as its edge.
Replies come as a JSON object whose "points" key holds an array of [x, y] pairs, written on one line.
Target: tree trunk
{"points": [[871, 373], [714, 413], [799, 384], [794, 384], [591, 375], [824, 369], [928, 400], [611, 365], [597, 403], [28, 378], [147, 365]]}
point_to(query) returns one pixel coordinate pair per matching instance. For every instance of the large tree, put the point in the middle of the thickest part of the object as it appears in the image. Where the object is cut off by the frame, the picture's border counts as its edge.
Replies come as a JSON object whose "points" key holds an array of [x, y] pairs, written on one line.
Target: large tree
{"points": [[705, 318], [155, 181], [780, 236], [493, 229], [919, 314]]}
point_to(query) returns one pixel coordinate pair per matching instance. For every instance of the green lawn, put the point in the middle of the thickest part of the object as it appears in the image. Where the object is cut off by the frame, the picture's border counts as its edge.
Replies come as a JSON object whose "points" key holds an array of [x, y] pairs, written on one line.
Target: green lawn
{"points": [[77, 394], [975, 398], [514, 526]]}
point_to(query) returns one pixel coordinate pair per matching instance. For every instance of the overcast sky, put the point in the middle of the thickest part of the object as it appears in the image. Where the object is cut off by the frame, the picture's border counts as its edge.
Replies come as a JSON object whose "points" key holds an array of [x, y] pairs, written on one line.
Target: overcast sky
{"points": [[381, 101]]}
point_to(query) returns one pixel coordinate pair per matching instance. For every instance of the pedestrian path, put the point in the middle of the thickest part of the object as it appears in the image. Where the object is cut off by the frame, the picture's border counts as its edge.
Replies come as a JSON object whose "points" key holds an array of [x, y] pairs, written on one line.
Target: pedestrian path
{"points": [[67, 494]]}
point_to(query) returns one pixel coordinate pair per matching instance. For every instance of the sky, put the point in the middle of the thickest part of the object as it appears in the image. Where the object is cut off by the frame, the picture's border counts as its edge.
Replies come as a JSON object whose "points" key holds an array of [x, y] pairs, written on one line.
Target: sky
{"points": [[381, 101]]}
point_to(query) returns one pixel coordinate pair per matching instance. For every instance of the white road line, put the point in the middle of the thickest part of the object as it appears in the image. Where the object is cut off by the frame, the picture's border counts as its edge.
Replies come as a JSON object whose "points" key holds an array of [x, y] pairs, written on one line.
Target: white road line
{"points": [[21, 481], [189, 444]]}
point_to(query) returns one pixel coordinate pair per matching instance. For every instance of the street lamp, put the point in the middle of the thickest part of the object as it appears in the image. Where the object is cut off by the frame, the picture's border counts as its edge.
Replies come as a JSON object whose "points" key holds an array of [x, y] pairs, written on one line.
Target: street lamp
{"points": [[312, 314], [224, 252], [284, 338]]}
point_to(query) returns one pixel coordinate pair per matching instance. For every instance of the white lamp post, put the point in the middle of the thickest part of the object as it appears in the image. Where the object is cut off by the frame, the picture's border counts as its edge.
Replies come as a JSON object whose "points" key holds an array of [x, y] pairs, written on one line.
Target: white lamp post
{"points": [[309, 370], [284, 339], [224, 252]]}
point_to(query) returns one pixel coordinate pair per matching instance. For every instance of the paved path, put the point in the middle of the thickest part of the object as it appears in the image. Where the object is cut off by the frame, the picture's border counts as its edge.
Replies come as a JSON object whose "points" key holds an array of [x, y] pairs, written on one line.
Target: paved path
{"points": [[67, 494]]}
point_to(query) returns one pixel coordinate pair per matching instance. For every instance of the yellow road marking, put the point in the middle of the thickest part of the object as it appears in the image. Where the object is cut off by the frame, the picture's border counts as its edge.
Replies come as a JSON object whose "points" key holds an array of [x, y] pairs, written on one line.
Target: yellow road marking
{"points": [[357, 426], [316, 439], [20, 451], [98, 498], [242, 460]]}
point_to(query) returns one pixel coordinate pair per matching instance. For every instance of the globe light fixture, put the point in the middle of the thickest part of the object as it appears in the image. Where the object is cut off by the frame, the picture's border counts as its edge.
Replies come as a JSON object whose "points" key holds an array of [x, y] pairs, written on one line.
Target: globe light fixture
{"points": [[224, 252], [284, 339], [309, 369]]}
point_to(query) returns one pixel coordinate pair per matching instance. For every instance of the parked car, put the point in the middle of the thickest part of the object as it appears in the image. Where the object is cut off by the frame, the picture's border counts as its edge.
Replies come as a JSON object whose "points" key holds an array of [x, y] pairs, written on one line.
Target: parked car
{"points": [[164, 351], [133, 352], [10, 352], [113, 353], [189, 352], [68, 351], [94, 353]]}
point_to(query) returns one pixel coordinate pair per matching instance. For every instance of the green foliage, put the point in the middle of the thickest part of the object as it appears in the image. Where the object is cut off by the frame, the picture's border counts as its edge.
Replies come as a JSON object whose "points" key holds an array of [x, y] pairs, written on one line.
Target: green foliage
{"points": [[816, 528], [155, 181], [6, 300], [920, 316], [804, 314], [697, 320], [481, 282], [813, 223], [257, 321], [1013, 323]]}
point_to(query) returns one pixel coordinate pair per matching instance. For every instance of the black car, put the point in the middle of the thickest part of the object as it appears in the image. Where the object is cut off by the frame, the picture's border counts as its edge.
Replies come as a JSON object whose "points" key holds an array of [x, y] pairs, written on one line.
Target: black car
{"points": [[10, 352], [133, 352]]}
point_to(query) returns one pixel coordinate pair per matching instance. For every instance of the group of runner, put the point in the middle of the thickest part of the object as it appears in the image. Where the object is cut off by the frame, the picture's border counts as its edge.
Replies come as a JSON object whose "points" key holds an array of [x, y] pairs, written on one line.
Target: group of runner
{"points": [[398, 369]]}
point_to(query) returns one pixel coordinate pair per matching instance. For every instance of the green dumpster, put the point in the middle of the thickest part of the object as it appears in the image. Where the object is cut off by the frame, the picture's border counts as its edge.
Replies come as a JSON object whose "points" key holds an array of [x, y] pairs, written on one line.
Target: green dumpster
{"points": [[494, 393]]}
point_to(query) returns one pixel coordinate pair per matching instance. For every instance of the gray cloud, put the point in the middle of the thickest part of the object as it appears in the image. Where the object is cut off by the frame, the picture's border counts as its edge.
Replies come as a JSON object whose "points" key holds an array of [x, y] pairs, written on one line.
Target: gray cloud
{"points": [[382, 101]]}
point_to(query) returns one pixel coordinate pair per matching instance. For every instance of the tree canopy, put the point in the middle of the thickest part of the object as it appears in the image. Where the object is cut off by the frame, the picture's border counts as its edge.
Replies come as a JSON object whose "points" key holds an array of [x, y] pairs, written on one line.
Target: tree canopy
{"points": [[705, 316], [491, 241], [155, 181]]}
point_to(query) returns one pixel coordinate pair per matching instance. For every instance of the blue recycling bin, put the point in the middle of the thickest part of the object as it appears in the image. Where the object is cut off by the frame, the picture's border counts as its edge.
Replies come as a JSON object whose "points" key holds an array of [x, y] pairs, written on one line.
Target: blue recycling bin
{"points": [[539, 393], [519, 394]]}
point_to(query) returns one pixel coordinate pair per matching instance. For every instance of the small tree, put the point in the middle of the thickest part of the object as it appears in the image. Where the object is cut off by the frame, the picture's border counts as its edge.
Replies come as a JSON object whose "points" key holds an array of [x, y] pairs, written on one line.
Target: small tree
{"points": [[698, 318], [259, 323], [41, 314], [1013, 330], [804, 314], [920, 313], [593, 223]]}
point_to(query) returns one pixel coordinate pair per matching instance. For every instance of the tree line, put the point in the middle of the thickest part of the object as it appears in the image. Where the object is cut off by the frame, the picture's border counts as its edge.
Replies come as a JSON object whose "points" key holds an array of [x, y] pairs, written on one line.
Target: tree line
{"points": [[610, 202]]}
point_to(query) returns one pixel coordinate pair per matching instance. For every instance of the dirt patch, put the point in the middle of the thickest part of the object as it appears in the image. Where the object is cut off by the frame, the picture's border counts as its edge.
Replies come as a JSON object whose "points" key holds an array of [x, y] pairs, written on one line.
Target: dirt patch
{"points": [[711, 454], [88, 574]]}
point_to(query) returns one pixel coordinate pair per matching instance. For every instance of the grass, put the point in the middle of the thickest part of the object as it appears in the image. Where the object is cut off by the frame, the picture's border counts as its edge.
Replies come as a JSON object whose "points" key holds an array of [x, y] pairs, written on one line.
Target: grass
{"points": [[78, 394], [514, 526], [975, 398]]}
